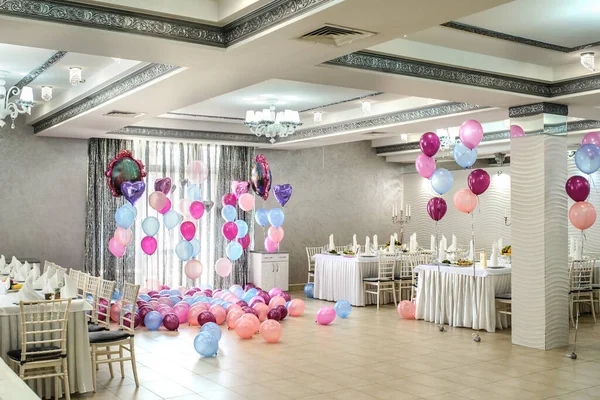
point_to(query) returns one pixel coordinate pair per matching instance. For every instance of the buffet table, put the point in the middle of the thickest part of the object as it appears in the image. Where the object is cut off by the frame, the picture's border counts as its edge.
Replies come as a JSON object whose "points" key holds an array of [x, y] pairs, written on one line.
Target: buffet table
{"points": [[448, 296], [78, 346]]}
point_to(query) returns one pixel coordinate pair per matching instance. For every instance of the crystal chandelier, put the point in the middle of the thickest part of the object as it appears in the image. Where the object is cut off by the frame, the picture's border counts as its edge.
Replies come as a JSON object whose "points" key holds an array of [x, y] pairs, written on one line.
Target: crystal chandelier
{"points": [[588, 61], [448, 138], [272, 124], [14, 108]]}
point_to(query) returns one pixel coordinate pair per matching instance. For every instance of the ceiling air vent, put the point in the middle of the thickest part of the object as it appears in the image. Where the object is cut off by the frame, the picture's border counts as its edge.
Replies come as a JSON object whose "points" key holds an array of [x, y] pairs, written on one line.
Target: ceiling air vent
{"points": [[332, 35], [123, 114]]}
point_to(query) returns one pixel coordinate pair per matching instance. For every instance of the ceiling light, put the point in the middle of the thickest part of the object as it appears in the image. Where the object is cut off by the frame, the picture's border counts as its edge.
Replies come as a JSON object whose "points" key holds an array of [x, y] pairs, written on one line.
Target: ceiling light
{"points": [[366, 107], [75, 76], [318, 117], [21, 106], [272, 124], [587, 60], [46, 93]]}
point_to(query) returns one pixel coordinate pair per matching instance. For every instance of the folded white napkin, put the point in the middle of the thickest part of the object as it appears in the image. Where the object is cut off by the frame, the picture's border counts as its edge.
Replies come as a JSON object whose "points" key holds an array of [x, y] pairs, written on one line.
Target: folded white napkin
{"points": [[2, 264], [40, 282], [331, 243], [25, 269], [5, 285], [432, 244], [53, 282], [48, 288], [500, 244], [471, 252], [392, 247], [27, 293], [35, 272], [367, 246], [15, 265], [494, 255], [69, 290], [442, 254], [19, 277], [375, 243], [51, 270]]}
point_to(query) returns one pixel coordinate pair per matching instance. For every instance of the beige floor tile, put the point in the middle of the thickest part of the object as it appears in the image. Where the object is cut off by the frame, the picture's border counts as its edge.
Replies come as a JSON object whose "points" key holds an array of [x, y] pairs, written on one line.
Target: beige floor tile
{"points": [[190, 397], [134, 393], [353, 394], [290, 388], [166, 388], [226, 379], [223, 394], [385, 393]]}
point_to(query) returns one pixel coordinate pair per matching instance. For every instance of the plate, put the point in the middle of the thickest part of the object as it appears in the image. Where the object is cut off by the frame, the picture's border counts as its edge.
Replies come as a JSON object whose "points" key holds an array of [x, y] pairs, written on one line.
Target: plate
{"points": [[496, 267]]}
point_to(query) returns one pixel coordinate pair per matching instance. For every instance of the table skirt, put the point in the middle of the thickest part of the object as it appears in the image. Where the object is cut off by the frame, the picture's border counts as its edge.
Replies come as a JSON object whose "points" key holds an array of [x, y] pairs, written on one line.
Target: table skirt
{"points": [[78, 353], [449, 298]]}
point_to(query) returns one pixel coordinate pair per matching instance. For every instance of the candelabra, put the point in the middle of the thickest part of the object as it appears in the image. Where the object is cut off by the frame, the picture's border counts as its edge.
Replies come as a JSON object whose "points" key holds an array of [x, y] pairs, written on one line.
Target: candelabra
{"points": [[402, 219]]}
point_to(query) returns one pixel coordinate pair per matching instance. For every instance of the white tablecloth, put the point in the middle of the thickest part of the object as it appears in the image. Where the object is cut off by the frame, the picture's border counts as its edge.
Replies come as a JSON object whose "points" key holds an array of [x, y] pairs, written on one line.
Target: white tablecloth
{"points": [[12, 387], [448, 296], [78, 344], [341, 278]]}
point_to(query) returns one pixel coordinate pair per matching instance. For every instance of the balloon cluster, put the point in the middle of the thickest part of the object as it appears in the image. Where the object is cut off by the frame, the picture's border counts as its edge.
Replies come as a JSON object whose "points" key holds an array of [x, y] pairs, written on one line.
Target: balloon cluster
{"points": [[275, 233], [582, 214], [465, 155], [441, 179], [235, 230]]}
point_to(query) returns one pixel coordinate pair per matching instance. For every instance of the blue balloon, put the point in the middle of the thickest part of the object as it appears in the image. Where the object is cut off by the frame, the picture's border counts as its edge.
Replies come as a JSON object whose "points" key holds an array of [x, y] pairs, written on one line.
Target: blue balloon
{"points": [[206, 344], [239, 292], [153, 320], [229, 213], [174, 299], [247, 297], [124, 217], [261, 216], [253, 291], [150, 226], [116, 296], [226, 304], [171, 219], [213, 329], [587, 158], [193, 192], [242, 228], [132, 208], [276, 217], [343, 308], [206, 286], [144, 297], [287, 304], [184, 250], [174, 292], [442, 180], [190, 300], [163, 292], [234, 251], [464, 156], [196, 247], [309, 290]]}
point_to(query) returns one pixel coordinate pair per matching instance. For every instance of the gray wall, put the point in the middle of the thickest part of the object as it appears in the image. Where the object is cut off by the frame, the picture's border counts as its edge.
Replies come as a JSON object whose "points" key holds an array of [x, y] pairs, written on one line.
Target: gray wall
{"points": [[341, 189], [43, 183]]}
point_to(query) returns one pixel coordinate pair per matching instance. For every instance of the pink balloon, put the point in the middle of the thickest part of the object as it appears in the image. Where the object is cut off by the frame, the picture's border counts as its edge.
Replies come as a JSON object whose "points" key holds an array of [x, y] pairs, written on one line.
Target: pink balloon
{"points": [[582, 215], [276, 301], [230, 230], [184, 207], [470, 133], [296, 308], [196, 209], [425, 166], [115, 248], [326, 315], [516, 131], [465, 201], [270, 246], [115, 312], [276, 234], [233, 316], [188, 230], [149, 245], [253, 318], [406, 309], [157, 200], [229, 199], [244, 328], [430, 144], [166, 208], [223, 267], [196, 171], [123, 236], [181, 312], [193, 316], [219, 313], [271, 331], [246, 202], [193, 269], [591, 138], [244, 241], [262, 309]]}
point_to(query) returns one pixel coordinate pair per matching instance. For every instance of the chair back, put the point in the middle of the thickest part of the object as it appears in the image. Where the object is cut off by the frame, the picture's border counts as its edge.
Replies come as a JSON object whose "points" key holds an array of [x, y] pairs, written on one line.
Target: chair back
{"points": [[44, 324], [50, 268], [105, 292], [82, 279], [74, 274], [91, 288], [311, 251], [581, 274], [407, 264], [128, 306], [339, 249], [387, 267]]}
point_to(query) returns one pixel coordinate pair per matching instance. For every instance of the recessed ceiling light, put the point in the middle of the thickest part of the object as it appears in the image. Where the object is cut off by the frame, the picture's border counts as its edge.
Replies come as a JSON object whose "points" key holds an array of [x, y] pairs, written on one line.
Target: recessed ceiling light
{"points": [[588, 61], [405, 35], [75, 76], [318, 117], [366, 107], [23, 73], [46, 93]]}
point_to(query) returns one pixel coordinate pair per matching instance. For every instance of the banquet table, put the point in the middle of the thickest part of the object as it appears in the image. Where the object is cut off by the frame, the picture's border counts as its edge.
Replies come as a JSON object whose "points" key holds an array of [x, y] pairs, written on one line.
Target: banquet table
{"points": [[448, 296], [78, 345], [341, 278]]}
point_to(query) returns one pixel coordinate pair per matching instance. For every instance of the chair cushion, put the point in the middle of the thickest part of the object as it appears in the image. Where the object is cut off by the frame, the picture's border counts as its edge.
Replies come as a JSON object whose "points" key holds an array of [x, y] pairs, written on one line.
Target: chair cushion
{"points": [[595, 286], [504, 296], [108, 336], [16, 354], [378, 280], [96, 328]]}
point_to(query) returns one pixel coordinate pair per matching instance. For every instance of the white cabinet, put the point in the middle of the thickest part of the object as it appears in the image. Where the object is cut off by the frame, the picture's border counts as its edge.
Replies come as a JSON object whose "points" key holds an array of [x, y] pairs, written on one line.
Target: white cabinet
{"points": [[269, 270]]}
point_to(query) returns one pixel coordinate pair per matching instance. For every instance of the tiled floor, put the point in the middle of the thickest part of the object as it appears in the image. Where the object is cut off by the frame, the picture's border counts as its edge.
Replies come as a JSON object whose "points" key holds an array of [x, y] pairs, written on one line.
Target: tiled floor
{"points": [[371, 355]]}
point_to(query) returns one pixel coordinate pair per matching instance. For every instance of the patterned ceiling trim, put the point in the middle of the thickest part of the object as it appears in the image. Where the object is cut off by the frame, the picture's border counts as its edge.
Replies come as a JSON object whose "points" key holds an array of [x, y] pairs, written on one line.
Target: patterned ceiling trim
{"points": [[99, 17], [425, 70], [379, 121], [516, 39], [30, 77], [343, 101], [538, 108], [188, 134], [123, 85], [204, 116]]}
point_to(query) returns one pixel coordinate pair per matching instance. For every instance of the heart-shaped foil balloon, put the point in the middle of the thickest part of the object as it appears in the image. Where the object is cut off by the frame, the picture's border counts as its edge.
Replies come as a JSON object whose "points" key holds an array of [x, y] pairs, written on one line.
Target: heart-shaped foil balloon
{"points": [[132, 191], [261, 177], [233, 186], [282, 193], [208, 205], [163, 185], [241, 188]]}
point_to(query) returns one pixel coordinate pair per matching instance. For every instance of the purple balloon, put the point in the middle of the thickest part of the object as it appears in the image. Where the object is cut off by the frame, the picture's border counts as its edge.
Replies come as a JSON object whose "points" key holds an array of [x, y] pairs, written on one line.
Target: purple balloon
{"points": [[282, 311], [286, 296], [282, 193], [591, 138], [204, 317], [578, 188], [249, 286], [516, 131], [430, 144], [171, 321], [256, 299], [163, 185], [478, 181], [436, 208], [275, 314], [242, 303], [275, 292], [132, 191], [265, 296], [250, 310]]}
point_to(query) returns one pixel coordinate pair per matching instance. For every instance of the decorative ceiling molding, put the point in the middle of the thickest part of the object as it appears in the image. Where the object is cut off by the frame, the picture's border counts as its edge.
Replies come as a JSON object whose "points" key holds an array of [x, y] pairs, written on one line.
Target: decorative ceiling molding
{"points": [[123, 85], [177, 114], [379, 121], [516, 39], [343, 101], [142, 131], [425, 70], [538, 108], [106, 18], [30, 77]]}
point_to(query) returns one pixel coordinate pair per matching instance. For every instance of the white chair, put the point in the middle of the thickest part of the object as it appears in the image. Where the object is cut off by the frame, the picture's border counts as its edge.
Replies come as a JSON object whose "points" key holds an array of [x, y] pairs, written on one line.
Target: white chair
{"points": [[82, 278], [581, 290], [43, 352], [101, 306], [405, 282], [385, 280], [504, 303], [310, 252], [91, 288]]}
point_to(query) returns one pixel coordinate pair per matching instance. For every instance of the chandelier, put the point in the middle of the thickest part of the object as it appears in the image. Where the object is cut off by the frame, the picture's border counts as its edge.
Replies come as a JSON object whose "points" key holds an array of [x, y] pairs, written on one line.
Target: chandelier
{"points": [[448, 138], [272, 124], [21, 106], [588, 61]]}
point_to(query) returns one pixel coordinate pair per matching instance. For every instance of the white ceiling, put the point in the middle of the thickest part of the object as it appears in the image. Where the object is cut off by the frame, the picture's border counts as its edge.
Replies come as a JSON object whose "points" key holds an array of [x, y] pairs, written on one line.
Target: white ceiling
{"points": [[18, 61]]}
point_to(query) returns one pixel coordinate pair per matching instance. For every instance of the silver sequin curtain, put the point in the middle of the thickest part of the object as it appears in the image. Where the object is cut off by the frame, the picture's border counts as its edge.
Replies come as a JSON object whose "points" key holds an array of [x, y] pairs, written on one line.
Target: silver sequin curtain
{"points": [[100, 221]]}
